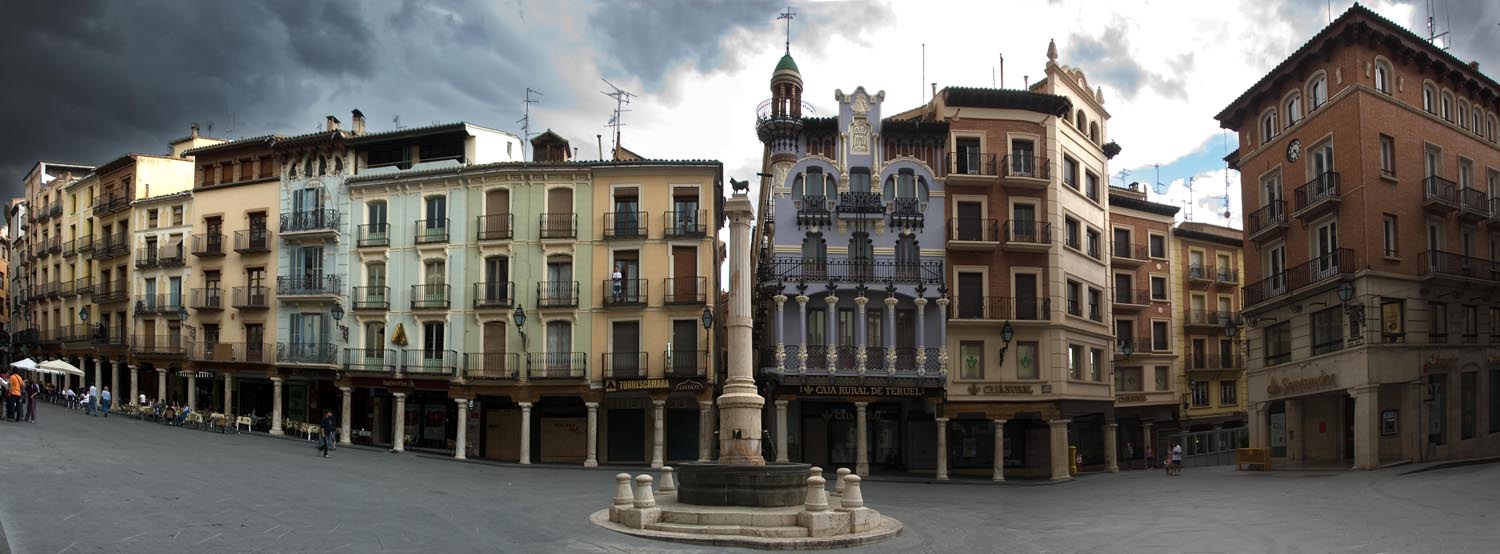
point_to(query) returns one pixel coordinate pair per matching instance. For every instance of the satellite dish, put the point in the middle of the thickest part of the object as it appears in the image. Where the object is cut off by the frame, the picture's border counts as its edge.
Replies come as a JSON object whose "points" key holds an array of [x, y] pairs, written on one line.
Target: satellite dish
{"points": [[1159, 188]]}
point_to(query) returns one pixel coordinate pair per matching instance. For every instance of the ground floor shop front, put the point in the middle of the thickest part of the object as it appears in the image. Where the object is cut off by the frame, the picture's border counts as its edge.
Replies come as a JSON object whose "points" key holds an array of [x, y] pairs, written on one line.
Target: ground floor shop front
{"points": [[1028, 439]]}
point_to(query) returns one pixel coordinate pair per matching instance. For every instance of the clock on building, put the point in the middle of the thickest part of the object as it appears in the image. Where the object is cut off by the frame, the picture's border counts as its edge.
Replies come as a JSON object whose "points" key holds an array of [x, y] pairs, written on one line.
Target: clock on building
{"points": [[1293, 150]]}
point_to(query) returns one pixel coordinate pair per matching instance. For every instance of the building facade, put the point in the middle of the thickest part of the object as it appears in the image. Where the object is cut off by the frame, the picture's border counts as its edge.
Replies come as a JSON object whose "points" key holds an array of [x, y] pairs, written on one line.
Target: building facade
{"points": [[1206, 283], [1368, 346]]}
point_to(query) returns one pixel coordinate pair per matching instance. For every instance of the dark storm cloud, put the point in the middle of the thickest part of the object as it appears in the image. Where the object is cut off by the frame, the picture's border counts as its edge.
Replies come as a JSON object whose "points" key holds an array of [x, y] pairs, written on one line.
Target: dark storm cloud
{"points": [[1108, 58], [1473, 28], [647, 38]]}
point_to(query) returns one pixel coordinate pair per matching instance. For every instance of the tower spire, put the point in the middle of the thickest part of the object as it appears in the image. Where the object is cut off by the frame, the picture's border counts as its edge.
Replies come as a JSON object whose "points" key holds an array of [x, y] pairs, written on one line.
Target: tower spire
{"points": [[788, 15]]}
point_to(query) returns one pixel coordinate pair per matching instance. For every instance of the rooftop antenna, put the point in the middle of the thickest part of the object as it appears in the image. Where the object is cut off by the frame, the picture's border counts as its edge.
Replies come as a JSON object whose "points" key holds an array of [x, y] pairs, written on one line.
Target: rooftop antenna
{"points": [[1224, 145], [525, 120], [788, 15], [1432, 34], [1002, 70], [622, 98], [396, 120], [1122, 175], [1188, 216], [1157, 186]]}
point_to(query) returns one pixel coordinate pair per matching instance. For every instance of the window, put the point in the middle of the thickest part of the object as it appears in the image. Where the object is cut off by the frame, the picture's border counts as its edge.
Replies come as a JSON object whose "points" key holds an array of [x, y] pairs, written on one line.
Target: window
{"points": [[432, 340], [1163, 377], [1096, 310], [1494, 324], [1075, 362], [1327, 332], [1391, 233], [1438, 332], [1278, 343], [1465, 173], [1070, 232], [971, 359], [1128, 379], [1070, 172], [859, 179], [1229, 393], [1317, 91], [1122, 243], [1200, 393], [817, 327], [1092, 239], [1160, 336], [1293, 109], [1268, 126], [1463, 113], [1158, 245], [1429, 98], [1445, 107], [1468, 390], [152, 218], [1471, 324], [1383, 76], [1026, 360], [1096, 365], [814, 255], [1387, 156], [1091, 185], [1477, 126], [1158, 287], [1074, 292]]}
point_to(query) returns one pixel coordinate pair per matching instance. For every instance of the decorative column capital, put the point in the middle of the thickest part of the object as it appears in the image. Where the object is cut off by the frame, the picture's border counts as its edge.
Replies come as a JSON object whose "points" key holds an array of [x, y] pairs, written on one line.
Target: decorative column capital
{"points": [[1001, 422], [463, 403], [525, 406], [942, 301], [275, 380], [861, 300], [591, 405], [861, 405], [831, 299], [658, 403], [346, 390], [802, 299], [782, 404], [890, 301], [920, 301], [780, 299], [399, 395]]}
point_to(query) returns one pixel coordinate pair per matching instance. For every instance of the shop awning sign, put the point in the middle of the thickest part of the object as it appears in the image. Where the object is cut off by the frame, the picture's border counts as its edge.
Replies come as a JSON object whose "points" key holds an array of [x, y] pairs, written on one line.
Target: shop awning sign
{"points": [[859, 390], [658, 383]]}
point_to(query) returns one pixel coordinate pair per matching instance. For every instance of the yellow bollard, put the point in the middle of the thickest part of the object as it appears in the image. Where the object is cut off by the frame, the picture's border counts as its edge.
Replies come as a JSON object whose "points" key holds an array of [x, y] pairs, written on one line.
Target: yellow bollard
{"points": [[1072, 460]]}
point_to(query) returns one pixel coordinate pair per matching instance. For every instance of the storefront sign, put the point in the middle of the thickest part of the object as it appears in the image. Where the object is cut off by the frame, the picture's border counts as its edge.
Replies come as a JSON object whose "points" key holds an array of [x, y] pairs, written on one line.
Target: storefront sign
{"points": [[1000, 388], [659, 383], [1291, 387], [1129, 398], [858, 390], [1439, 362]]}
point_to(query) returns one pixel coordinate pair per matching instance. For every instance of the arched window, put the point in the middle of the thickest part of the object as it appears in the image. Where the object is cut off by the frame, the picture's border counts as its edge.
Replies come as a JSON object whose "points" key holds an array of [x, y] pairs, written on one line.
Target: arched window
{"points": [[906, 184], [1094, 132], [1494, 129], [1429, 98], [1477, 119], [1080, 121], [861, 257], [1463, 113], [1293, 106], [1268, 126], [1317, 91], [1383, 76], [1445, 106], [814, 256], [908, 257]]}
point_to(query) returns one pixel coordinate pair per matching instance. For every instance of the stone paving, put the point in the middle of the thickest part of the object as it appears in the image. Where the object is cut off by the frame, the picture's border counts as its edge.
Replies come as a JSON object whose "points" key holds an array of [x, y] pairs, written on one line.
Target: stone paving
{"points": [[76, 484]]}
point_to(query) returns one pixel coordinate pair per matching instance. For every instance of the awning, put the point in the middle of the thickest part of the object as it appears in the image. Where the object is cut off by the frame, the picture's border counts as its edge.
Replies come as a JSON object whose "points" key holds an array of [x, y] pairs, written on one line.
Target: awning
{"points": [[26, 364], [61, 366]]}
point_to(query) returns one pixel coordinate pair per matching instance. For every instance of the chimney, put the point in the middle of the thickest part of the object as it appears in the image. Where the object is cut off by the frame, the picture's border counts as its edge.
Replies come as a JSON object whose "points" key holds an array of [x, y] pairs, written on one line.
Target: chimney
{"points": [[1474, 65], [195, 130], [333, 124], [359, 122]]}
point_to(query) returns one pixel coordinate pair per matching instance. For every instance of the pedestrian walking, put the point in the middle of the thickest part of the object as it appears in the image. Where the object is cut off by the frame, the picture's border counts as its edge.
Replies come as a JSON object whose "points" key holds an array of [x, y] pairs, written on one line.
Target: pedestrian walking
{"points": [[1129, 454], [14, 398], [93, 399], [1150, 457], [4, 395], [1176, 468], [36, 390], [326, 443], [104, 400]]}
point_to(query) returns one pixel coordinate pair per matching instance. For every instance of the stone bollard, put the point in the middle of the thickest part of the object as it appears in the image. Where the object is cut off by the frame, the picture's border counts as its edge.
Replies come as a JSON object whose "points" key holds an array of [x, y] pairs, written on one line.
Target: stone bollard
{"points": [[623, 494], [838, 483], [817, 497], [644, 498], [852, 498], [815, 472], [668, 480]]}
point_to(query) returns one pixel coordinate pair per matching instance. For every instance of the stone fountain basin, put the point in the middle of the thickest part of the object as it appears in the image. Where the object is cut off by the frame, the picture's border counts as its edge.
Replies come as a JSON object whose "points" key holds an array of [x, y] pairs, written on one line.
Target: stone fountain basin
{"points": [[774, 485]]}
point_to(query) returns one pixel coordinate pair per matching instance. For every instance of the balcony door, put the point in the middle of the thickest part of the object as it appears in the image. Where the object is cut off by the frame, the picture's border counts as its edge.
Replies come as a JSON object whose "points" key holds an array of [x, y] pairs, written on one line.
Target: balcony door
{"points": [[375, 283], [559, 287], [1200, 354], [970, 224], [493, 349], [971, 296], [150, 299], [307, 264], [685, 204], [174, 294], [628, 262], [1199, 305], [1027, 304], [496, 279], [1276, 269], [1023, 158], [497, 208], [625, 348], [1325, 247], [627, 207], [378, 223], [1321, 166], [559, 347], [1023, 224], [970, 159], [684, 347], [685, 273]]}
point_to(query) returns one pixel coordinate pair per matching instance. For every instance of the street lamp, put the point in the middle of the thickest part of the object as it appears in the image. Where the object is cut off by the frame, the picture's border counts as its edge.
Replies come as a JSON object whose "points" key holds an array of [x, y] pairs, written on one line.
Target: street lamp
{"points": [[708, 318], [519, 317], [1126, 348], [1006, 334], [1356, 311], [338, 315]]}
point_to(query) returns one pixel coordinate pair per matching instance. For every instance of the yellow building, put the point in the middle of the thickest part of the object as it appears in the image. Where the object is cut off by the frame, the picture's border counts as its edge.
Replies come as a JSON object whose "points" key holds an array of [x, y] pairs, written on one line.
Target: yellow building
{"points": [[1206, 274]]}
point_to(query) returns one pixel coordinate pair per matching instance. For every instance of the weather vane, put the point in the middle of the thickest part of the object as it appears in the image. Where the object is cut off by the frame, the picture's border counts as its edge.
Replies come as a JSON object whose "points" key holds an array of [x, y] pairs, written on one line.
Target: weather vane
{"points": [[788, 15]]}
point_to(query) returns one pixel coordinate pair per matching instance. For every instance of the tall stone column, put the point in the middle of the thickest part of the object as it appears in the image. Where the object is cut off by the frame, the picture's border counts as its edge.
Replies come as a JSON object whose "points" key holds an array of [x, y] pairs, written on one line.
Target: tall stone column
{"points": [[942, 449], [461, 433], [890, 333], [802, 347], [275, 403], [592, 458], [999, 451], [1293, 428], [398, 423], [99, 373], [1149, 440], [781, 430], [1366, 426], [525, 432], [861, 443], [942, 336], [1260, 435], [1059, 445], [161, 387], [344, 411], [1111, 457], [833, 330], [114, 384], [229, 396], [741, 404], [658, 432], [861, 335], [921, 332], [135, 393], [705, 430], [192, 390], [780, 332]]}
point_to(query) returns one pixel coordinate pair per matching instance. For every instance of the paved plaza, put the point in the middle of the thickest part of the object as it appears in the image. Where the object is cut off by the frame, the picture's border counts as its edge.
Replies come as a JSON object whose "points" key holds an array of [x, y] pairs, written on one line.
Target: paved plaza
{"points": [[75, 484]]}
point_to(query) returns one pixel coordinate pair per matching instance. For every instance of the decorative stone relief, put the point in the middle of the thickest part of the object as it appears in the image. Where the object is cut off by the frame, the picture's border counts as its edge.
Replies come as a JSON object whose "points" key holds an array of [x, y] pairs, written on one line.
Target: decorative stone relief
{"points": [[859, 136]]}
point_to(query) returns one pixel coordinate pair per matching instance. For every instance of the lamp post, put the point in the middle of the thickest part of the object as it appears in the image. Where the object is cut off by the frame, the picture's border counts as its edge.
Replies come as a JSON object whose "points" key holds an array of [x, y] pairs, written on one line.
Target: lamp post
{"points": [[519, 318], [1006, 334], [708, 334], [1126, 347], [1356, 311], [338, 315]]}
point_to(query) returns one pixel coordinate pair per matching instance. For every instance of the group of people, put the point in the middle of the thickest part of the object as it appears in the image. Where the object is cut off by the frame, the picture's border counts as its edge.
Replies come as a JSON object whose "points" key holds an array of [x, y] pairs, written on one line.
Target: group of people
{"points": [[19, 396], [1173, 462], [92, 401]]}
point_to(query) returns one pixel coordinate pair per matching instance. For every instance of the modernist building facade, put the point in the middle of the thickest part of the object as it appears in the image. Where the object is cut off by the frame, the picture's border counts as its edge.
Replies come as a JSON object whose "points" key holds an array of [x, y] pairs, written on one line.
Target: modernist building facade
{"points": [[1371, 162], [851, 271]]}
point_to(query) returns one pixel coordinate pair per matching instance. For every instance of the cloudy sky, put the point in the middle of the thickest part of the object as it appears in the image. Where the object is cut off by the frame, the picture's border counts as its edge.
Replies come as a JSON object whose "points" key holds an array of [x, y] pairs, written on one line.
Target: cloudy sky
{"points": [[90, 80]]}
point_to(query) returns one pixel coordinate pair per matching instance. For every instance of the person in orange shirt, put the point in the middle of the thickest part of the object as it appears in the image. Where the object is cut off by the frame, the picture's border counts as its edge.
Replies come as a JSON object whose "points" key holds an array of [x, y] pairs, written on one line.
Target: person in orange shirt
{"points": [[15, 397]]}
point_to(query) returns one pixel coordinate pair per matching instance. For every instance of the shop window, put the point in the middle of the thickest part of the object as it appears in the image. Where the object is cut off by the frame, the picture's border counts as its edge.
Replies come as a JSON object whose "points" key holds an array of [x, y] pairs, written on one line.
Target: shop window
{"points": [[971, 359], [1278, 343], [1327, 332], [1026, 360], [1128, 379], [1393, 321], [1075, 362]]}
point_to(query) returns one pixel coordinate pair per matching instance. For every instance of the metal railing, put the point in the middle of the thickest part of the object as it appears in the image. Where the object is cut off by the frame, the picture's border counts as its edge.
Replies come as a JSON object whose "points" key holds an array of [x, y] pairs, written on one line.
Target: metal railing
{"points": [[106, 204], [557, 365], [429, 362], [308, 285], [1320, 188], [306, 353], [252, 297], [1437, 190], [370, 298], [70, 248], [558, 225], [684, 290], [208, 299], [1266, 217], [370, 360], [1132, 297], [557, 294], [83, 285], [1226, 275], [111, 246], [878, 270], [146, 256], [1317, 270], [252, 241], [160, 345], [1211, 317], [625, 365], [860, 202], [243, 352], [814, 210], [687, 223], [1198, 272], [685, 363], [1214, 360], [494, 226], [1027, 231], [171, 256], [493, 294], [1128, 251], [625, 292], [85, 244], [428, 297], [973, 229], [208, 244], [310, 220], [1451, 264], [972, 162], [1475, 201], [481, 366], [373, 234], [625, 225], [431, 231], [1027, 166], [109, 292]]}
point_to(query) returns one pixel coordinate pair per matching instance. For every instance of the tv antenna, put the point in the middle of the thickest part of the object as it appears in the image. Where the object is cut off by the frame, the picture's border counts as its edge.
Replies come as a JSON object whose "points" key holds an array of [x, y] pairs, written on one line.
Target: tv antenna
{"points": [[1157, 186], [525, 120], [396, 120], [788, 15], [1224, 144], [1432, 34], [616, 120], [1189, 184]]}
